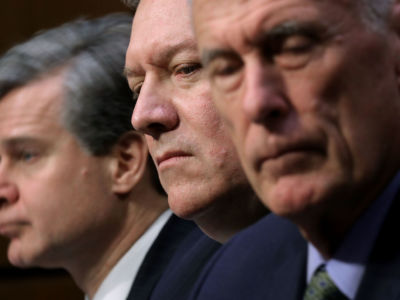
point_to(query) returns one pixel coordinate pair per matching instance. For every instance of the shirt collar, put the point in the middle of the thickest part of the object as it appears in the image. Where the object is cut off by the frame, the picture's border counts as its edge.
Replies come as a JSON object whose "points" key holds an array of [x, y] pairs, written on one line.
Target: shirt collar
{"points": [[119, 280], [347, 266]]}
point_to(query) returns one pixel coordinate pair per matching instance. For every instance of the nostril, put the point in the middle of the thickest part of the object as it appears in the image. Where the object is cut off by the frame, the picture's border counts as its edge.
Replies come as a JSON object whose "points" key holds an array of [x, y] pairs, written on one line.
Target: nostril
{"points": [[8, 193], [274, 114], [3, 202]]}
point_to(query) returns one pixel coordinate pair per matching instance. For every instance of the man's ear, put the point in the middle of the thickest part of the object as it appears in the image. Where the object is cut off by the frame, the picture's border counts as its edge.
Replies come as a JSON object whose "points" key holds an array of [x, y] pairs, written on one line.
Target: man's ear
{"points": [[129, 162]]}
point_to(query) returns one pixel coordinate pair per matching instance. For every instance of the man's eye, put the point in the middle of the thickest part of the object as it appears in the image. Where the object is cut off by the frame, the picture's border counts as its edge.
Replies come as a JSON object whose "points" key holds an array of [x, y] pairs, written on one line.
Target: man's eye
{"points": [[293, 52], [187, 69], [225, 74], [297, 45], [226, 69], [27, 156], [136, 90]]}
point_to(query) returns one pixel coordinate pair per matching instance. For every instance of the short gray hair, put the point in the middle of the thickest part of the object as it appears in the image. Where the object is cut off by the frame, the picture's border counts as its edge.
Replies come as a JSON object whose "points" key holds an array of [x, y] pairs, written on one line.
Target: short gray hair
{"points": [[132, 4], [375, 13], [98, 103]]}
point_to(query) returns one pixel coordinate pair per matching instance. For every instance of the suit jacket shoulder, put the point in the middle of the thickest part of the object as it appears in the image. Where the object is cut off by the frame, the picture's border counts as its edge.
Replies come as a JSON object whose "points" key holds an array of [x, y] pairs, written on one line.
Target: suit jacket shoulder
{"points": [[184, 268], [265, 261], [382, 274], [177, 237]]}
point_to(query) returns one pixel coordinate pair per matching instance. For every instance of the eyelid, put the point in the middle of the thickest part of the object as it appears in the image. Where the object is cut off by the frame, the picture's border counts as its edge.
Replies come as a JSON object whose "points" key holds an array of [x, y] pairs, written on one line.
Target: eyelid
{"points": [[20, 155], [135, 84], [180, 67], [137, 87], [280, 33], [296, 43], [221, 67]]}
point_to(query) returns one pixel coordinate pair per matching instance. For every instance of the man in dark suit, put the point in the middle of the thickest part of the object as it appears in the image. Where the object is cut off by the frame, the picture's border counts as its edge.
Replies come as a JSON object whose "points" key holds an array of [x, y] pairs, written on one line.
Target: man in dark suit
{"points": [[76, 188], [195, 159], [310, 93]]}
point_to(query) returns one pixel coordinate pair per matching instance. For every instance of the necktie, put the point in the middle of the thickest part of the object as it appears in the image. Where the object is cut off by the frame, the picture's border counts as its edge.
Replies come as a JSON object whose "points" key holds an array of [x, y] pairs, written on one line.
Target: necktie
{"points": [[321, 287]]}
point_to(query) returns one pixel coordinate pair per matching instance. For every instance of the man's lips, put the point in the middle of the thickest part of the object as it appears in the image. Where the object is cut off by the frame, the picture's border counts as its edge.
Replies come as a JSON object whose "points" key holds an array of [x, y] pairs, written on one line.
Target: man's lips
{"points": [[171, 155], [11, 229], [281, 151]]}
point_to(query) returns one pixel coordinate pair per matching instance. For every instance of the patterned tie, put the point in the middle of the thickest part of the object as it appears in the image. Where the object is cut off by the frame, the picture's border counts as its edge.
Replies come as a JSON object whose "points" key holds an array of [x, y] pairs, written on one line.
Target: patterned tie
{"points": [[321, 287]]}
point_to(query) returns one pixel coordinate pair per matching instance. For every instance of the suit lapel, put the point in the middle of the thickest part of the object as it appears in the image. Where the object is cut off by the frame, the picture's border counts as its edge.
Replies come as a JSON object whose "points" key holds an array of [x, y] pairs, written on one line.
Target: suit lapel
{"points": [[289, 278], [382, 274], [183, 270], [293, 275], [156, 260]]}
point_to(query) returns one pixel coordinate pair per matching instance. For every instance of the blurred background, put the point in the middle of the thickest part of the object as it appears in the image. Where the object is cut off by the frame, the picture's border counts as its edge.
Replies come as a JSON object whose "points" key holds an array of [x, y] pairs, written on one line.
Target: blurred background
{"points": [[19, 19]]}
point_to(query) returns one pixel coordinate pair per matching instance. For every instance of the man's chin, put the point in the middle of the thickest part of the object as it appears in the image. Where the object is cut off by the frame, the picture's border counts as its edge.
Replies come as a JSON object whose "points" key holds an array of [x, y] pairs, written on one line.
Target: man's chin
{"points": [[19, 262], [189, 208], [24, 259]]}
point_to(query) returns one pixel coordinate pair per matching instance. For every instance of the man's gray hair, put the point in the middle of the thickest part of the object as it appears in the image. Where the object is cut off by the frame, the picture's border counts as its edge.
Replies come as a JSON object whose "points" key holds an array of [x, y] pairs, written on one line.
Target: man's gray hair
{"points": [[97, 102], [375, 13], [132, 4]]}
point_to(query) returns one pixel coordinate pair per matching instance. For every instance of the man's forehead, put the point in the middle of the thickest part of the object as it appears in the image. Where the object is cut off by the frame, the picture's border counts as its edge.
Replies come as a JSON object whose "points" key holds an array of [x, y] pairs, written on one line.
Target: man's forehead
{"points": [[160, 30], [159, 54], [161, 14], [207, 8]]}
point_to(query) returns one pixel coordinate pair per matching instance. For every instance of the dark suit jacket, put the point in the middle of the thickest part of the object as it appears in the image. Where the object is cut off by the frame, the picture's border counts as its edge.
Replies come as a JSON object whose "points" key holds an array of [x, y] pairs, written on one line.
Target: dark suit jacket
{"points": [[263, 257], [185, 267], [382, 274], [268, 261], [177, 238]]}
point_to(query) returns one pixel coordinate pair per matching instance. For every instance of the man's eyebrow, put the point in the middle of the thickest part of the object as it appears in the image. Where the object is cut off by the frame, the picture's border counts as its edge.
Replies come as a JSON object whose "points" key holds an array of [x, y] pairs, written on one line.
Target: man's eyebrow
{"points": [[209, 55], [172, 50], [165, 56], [289, 28], [285, 29], [20, 140]]}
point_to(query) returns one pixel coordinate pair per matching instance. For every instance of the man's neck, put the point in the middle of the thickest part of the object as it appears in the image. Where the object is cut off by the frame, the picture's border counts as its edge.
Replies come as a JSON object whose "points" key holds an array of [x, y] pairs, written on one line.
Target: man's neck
{"points": [[231, 213], [327, 231], [97, 260]]}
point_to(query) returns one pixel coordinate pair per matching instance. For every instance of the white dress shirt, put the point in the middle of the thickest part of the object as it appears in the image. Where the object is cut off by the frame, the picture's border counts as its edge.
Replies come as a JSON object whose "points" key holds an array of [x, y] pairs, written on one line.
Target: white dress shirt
{"points": [[117, 284]]}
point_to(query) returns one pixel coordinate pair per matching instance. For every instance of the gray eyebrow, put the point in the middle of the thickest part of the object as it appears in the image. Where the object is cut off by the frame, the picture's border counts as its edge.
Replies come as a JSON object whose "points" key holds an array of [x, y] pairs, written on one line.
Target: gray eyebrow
{"points": [[289, 28], [163, 56], [285, 29]]}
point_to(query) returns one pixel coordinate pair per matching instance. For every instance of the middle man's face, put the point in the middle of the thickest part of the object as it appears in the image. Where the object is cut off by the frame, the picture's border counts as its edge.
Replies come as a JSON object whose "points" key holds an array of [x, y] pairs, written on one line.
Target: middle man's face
{"points": [[195, 159]]}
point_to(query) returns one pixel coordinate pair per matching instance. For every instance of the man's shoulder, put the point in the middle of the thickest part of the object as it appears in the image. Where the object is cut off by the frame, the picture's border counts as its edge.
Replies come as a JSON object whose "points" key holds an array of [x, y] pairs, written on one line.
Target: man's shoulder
{"points": [[268, 235], [184, 267], [172, 239], [251, 263]]}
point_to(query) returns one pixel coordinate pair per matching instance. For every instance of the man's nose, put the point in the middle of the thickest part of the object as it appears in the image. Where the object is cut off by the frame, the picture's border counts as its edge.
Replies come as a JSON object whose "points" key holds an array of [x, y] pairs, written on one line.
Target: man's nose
{"points": [[8, 190], [263, 99], [154, 111]]}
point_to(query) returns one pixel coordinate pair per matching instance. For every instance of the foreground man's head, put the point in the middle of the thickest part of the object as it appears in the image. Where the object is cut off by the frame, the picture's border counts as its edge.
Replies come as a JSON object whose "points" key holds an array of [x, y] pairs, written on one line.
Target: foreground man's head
{"points": [[75, 187], [195, 158], [310, 93]]}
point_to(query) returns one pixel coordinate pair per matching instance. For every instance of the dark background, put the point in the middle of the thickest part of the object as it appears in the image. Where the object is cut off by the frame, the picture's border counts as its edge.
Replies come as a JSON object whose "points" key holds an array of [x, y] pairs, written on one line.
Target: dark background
{"points": [[19, 19]]}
